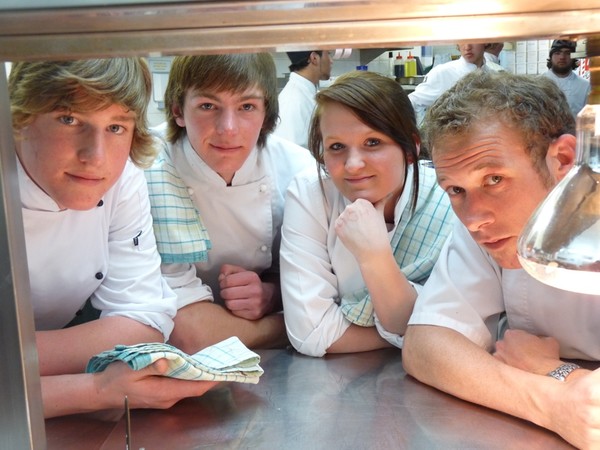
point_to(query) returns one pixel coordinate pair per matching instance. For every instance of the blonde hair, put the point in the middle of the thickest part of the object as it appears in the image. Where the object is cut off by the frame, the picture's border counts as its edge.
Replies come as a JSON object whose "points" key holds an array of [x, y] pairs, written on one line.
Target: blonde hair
{"points": [[84, 85], [532, 106]]}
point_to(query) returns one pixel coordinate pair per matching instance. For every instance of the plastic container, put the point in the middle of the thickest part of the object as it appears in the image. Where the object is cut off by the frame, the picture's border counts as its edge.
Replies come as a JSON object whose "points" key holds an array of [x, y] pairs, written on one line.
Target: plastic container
{"points": [[410, 67], [399, 66]]}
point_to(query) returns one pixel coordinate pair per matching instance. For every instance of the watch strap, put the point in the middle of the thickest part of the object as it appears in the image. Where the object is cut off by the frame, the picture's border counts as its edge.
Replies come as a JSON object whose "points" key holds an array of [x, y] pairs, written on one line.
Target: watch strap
{"points": [[563, 371]]}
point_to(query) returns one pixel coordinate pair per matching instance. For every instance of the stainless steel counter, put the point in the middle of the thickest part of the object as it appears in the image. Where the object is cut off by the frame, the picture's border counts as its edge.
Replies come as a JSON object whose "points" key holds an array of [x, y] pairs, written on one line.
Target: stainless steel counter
{"points": [[356, 401]]}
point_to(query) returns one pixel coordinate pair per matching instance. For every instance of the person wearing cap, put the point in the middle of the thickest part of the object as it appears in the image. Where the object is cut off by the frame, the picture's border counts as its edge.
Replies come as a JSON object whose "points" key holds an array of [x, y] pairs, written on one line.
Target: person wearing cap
{"points": [[297, 99], [560, 70]]}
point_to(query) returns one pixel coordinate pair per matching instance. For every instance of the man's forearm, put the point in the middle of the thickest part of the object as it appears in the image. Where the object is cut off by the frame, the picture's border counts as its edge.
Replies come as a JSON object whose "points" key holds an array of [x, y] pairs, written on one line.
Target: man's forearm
{"points": [[445, 359], [202, 324], [68, 350], [70, 394]]}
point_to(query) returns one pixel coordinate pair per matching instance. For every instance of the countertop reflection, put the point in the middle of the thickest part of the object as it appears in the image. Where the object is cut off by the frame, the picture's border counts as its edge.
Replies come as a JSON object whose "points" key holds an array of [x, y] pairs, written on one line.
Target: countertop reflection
{"points": [[354, 401]]}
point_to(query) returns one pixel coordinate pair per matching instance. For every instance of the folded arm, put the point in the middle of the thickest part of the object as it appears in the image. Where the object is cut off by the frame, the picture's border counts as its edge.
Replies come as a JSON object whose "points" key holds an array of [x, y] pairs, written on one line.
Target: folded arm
{"points": [[362, 229], [204, 323]]}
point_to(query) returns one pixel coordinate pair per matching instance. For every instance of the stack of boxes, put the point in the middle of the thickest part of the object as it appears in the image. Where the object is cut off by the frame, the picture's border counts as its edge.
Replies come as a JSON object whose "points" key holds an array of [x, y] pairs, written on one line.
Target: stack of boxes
{"points": [[530, 57]]}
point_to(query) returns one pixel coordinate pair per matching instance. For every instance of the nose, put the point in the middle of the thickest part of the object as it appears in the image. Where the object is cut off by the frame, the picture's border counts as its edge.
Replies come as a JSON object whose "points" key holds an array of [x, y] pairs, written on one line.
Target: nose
{"points": [[475, 213], [92, 147], [227, 121], [354, 160]]}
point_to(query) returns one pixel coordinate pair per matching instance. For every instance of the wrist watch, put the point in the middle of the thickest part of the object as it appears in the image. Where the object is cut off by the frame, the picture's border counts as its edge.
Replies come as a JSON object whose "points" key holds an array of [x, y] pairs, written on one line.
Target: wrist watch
{"points": [[563, 371]]}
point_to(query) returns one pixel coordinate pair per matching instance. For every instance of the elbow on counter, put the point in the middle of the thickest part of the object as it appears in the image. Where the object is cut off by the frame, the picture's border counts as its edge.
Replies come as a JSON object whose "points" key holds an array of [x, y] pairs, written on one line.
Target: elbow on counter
{"points": [[410, 351]]}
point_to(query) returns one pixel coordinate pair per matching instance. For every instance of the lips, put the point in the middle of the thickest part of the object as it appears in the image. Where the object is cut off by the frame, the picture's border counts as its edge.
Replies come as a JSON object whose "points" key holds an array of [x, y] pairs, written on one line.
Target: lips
{"points": [[85, 178], [495, 244], [225, 148], [355, 180]]}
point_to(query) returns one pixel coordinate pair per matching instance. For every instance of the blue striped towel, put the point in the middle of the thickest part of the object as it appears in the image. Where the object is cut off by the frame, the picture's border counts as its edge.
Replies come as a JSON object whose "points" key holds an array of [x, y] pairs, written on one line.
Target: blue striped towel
{"points": [[417, 242], [228, 360], [181, 236]]}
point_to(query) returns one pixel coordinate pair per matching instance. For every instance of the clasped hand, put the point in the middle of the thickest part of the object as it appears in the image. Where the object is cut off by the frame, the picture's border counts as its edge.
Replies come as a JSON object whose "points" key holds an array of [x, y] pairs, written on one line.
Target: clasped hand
{"points": [[244, 293], [534, 354], [361, 228]]}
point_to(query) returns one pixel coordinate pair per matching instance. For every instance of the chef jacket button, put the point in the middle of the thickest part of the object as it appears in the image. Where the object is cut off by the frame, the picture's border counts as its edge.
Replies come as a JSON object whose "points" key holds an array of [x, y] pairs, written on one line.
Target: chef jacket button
{"points": [[99, 276], [264, 248], [262, 188], [190, 191], [100, 203]]}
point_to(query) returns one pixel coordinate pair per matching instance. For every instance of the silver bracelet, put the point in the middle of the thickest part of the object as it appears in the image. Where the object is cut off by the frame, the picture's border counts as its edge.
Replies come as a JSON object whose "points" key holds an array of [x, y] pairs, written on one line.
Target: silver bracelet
{"points": [[563, 371]]}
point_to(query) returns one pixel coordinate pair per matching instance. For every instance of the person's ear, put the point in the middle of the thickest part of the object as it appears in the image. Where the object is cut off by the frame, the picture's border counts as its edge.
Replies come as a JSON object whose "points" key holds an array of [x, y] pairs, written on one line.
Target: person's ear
{"points": [[561, 156], [178, 115], [314, 58], [410, 159], [417, 140]]}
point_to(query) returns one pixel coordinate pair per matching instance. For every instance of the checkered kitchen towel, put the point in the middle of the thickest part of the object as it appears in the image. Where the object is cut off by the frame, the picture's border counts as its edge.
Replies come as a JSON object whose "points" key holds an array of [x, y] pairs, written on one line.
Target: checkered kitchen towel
{"points": [[416, 244], [181, 236], [228, 360]]}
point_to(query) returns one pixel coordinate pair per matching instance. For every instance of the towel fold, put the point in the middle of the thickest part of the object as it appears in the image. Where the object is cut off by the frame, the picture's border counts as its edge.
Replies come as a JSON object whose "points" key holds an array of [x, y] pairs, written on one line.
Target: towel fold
{"points": [[228, 360]]}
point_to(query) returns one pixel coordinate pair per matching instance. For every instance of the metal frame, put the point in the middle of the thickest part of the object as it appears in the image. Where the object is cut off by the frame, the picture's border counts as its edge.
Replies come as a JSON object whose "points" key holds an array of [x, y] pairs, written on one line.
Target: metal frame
{"points": [[279, 25], [59, 31], [21, 416]]}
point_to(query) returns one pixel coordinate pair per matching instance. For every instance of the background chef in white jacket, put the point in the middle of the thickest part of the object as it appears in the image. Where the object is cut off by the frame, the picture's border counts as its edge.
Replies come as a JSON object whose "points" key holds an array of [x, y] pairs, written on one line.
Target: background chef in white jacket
{"points": [[492, 52], [230, 176], [561, 70], [297, 98], [443, 77], [80, 131]]}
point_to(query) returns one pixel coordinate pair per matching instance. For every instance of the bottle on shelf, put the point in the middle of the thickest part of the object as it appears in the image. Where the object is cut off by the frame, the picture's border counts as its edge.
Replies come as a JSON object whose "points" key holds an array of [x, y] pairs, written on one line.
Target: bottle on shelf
{"points": [[391, 61], [410, 67], [399, 66]]}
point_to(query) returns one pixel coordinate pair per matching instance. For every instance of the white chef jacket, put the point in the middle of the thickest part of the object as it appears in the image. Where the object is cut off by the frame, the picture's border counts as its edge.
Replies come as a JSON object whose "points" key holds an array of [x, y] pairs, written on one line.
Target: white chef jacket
{"points": [[243, 220], [467, 292], [317, 270], [490, 57], [107, 253], [575, 88], [439, 80], [296, 105]]}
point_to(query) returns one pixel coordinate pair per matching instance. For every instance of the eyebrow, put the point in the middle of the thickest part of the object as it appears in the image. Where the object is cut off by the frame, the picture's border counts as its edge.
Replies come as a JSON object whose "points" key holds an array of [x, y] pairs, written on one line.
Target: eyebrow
{"points": [[480, 166], [124, 118], [129, 116], [214, 97]]}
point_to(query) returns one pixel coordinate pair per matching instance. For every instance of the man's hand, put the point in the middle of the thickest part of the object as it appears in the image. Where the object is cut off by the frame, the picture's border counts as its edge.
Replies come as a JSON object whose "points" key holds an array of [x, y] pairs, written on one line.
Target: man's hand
{"points": [[576, 411], [528, 352], [147, 388], [244, 293]]}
